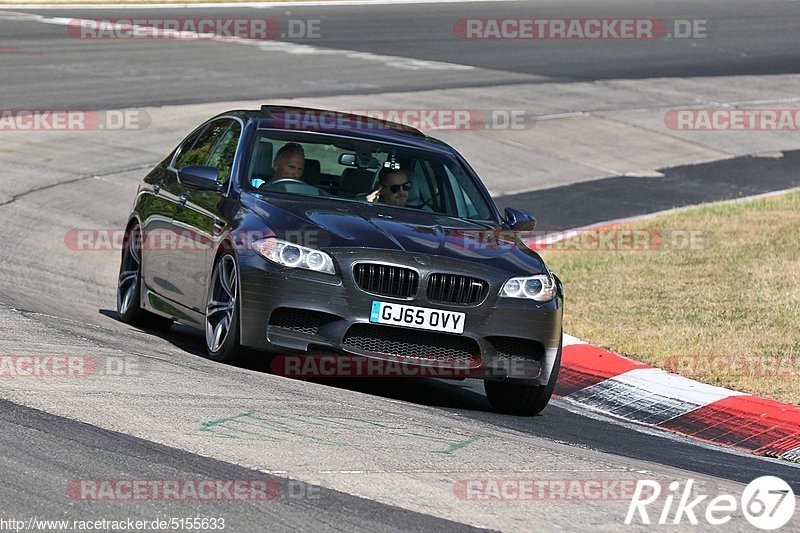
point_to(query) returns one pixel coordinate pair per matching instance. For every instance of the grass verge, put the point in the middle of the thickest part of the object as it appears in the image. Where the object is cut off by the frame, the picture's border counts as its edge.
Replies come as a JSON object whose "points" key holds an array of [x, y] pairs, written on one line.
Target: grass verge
{"points": [[712, 293]]}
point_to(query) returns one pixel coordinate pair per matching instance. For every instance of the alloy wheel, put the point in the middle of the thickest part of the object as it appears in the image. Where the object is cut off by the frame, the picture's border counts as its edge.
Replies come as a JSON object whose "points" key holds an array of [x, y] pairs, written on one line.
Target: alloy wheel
{"points": [[129, 271], [221, 303]]}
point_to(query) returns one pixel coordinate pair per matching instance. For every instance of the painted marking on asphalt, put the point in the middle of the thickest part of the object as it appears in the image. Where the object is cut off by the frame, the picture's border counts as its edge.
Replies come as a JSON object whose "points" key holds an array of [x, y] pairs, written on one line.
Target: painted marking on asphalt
{"points": [[666, 384], [338, 431], [403, 63], [768, 155], [254, 5], [625, 401], [791, 455], [584, 365], [569, 340], [455, 446], [649, 395], [767, 427]]}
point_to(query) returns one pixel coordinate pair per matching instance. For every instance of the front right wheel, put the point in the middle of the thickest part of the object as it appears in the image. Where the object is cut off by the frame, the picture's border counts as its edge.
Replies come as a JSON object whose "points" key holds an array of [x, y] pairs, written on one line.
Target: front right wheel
{"points": [[520, 398], [222, 312]]}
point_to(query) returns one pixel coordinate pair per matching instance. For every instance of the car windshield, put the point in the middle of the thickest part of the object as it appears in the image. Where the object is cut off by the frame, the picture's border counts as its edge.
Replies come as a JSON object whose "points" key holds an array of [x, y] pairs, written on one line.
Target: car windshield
{"points": [[358, 170]]}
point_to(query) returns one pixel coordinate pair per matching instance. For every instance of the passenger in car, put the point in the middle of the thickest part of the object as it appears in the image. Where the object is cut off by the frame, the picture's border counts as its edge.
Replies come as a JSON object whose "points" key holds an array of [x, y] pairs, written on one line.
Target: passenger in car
{"points": [[290, 161]]}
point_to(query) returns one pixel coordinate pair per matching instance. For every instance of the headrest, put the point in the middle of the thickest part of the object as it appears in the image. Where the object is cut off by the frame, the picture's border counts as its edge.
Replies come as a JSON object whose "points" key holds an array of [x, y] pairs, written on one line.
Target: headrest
{"points": [[312, 173], [356, 180], [261, 170], [413, 193]]}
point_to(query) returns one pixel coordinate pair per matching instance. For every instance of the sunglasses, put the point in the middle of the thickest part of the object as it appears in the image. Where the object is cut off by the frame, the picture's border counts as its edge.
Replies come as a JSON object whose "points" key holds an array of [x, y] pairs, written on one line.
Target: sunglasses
{"points": [[396, 188]]}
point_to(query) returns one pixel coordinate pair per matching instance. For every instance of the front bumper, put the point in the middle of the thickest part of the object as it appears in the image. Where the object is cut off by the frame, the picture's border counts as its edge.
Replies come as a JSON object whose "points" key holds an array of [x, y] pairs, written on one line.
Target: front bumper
{"points": [[291, 310]]}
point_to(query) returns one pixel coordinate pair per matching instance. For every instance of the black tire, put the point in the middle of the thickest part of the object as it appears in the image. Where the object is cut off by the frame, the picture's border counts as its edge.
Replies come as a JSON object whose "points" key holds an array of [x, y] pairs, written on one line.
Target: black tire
{"points": [[129, 284], [522, 399], [222, 325]]}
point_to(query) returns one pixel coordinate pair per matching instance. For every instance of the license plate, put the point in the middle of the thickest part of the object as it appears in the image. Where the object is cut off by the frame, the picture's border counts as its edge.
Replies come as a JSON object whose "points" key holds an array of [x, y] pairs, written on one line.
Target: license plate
{"points": [[417, 317]]}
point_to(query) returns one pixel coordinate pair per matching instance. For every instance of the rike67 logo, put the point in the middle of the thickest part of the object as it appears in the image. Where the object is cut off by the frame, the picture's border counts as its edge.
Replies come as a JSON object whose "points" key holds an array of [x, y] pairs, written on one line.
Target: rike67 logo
{"points": [[767, 503]]}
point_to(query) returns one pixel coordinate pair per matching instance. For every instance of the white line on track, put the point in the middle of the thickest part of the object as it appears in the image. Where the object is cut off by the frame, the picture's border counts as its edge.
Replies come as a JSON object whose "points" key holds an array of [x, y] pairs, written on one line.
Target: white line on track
{"points": [[254, 5], [569, 340], [403, 63]]}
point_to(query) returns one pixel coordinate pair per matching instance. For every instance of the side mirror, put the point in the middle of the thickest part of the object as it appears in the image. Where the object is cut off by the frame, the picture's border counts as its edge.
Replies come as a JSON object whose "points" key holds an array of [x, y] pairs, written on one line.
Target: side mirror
{"points": [[520, 220], [198, 177]]}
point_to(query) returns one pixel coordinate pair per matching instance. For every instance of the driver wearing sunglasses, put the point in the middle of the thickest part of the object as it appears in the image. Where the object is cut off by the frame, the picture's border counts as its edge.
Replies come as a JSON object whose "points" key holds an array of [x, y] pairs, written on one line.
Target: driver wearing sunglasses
{"points": [[394, 188]]}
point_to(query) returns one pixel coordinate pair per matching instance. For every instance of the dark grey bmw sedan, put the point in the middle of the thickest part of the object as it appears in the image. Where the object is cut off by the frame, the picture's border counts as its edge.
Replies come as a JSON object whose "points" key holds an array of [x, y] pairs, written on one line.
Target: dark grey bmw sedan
{"points": [[301, 231]]}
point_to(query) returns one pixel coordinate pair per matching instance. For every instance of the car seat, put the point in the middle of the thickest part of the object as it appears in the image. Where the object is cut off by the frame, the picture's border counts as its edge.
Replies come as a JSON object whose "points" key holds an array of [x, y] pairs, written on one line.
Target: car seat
{"points": [[261, 170], [312, 173], [355, 181]]}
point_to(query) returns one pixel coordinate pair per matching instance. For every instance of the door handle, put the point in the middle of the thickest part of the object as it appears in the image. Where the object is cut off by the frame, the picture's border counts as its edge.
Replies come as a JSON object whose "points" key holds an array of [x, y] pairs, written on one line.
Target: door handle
{"points": [[183, 198], [218, 227]]}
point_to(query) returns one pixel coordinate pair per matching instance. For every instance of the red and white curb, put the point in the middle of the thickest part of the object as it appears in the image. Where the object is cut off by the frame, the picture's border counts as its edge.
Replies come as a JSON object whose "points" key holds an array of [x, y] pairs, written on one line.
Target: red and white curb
{"points": [[615, 385]]}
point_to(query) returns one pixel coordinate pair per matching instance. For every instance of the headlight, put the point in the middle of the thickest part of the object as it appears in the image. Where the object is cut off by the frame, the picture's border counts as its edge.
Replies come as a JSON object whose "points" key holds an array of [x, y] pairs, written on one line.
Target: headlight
{"points": [[294, 256], [540, 288]]}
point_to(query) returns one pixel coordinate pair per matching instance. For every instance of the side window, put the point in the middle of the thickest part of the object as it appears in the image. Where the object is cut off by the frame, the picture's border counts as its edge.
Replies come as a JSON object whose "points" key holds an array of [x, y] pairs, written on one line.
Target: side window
{"points": [[260, 170], [465, 194], [198, 154], [419, 178], [458, 194], [426, 181], [187, 145], [223, 154]]}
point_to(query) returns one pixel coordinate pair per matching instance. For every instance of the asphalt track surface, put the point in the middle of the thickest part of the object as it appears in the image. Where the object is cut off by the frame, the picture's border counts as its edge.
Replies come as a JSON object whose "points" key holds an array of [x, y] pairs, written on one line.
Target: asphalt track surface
{"points": [[30, 481], [42, 451], [622, 197], [743, 37]]}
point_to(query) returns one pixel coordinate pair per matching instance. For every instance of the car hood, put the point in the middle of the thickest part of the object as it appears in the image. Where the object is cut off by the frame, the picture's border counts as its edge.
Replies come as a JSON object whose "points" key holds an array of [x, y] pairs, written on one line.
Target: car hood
{"points": [[325, 224]]}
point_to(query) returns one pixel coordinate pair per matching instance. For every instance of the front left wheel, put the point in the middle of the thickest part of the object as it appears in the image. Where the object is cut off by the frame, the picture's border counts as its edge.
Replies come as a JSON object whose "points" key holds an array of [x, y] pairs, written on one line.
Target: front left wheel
{"points": [[222, 312], [520, 398], [129, 286]]}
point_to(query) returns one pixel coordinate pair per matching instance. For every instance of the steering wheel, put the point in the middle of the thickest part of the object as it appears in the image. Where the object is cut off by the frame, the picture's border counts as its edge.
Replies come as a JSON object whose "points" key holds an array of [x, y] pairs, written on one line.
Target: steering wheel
{"points": [[284, 181], [294, 186]]}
